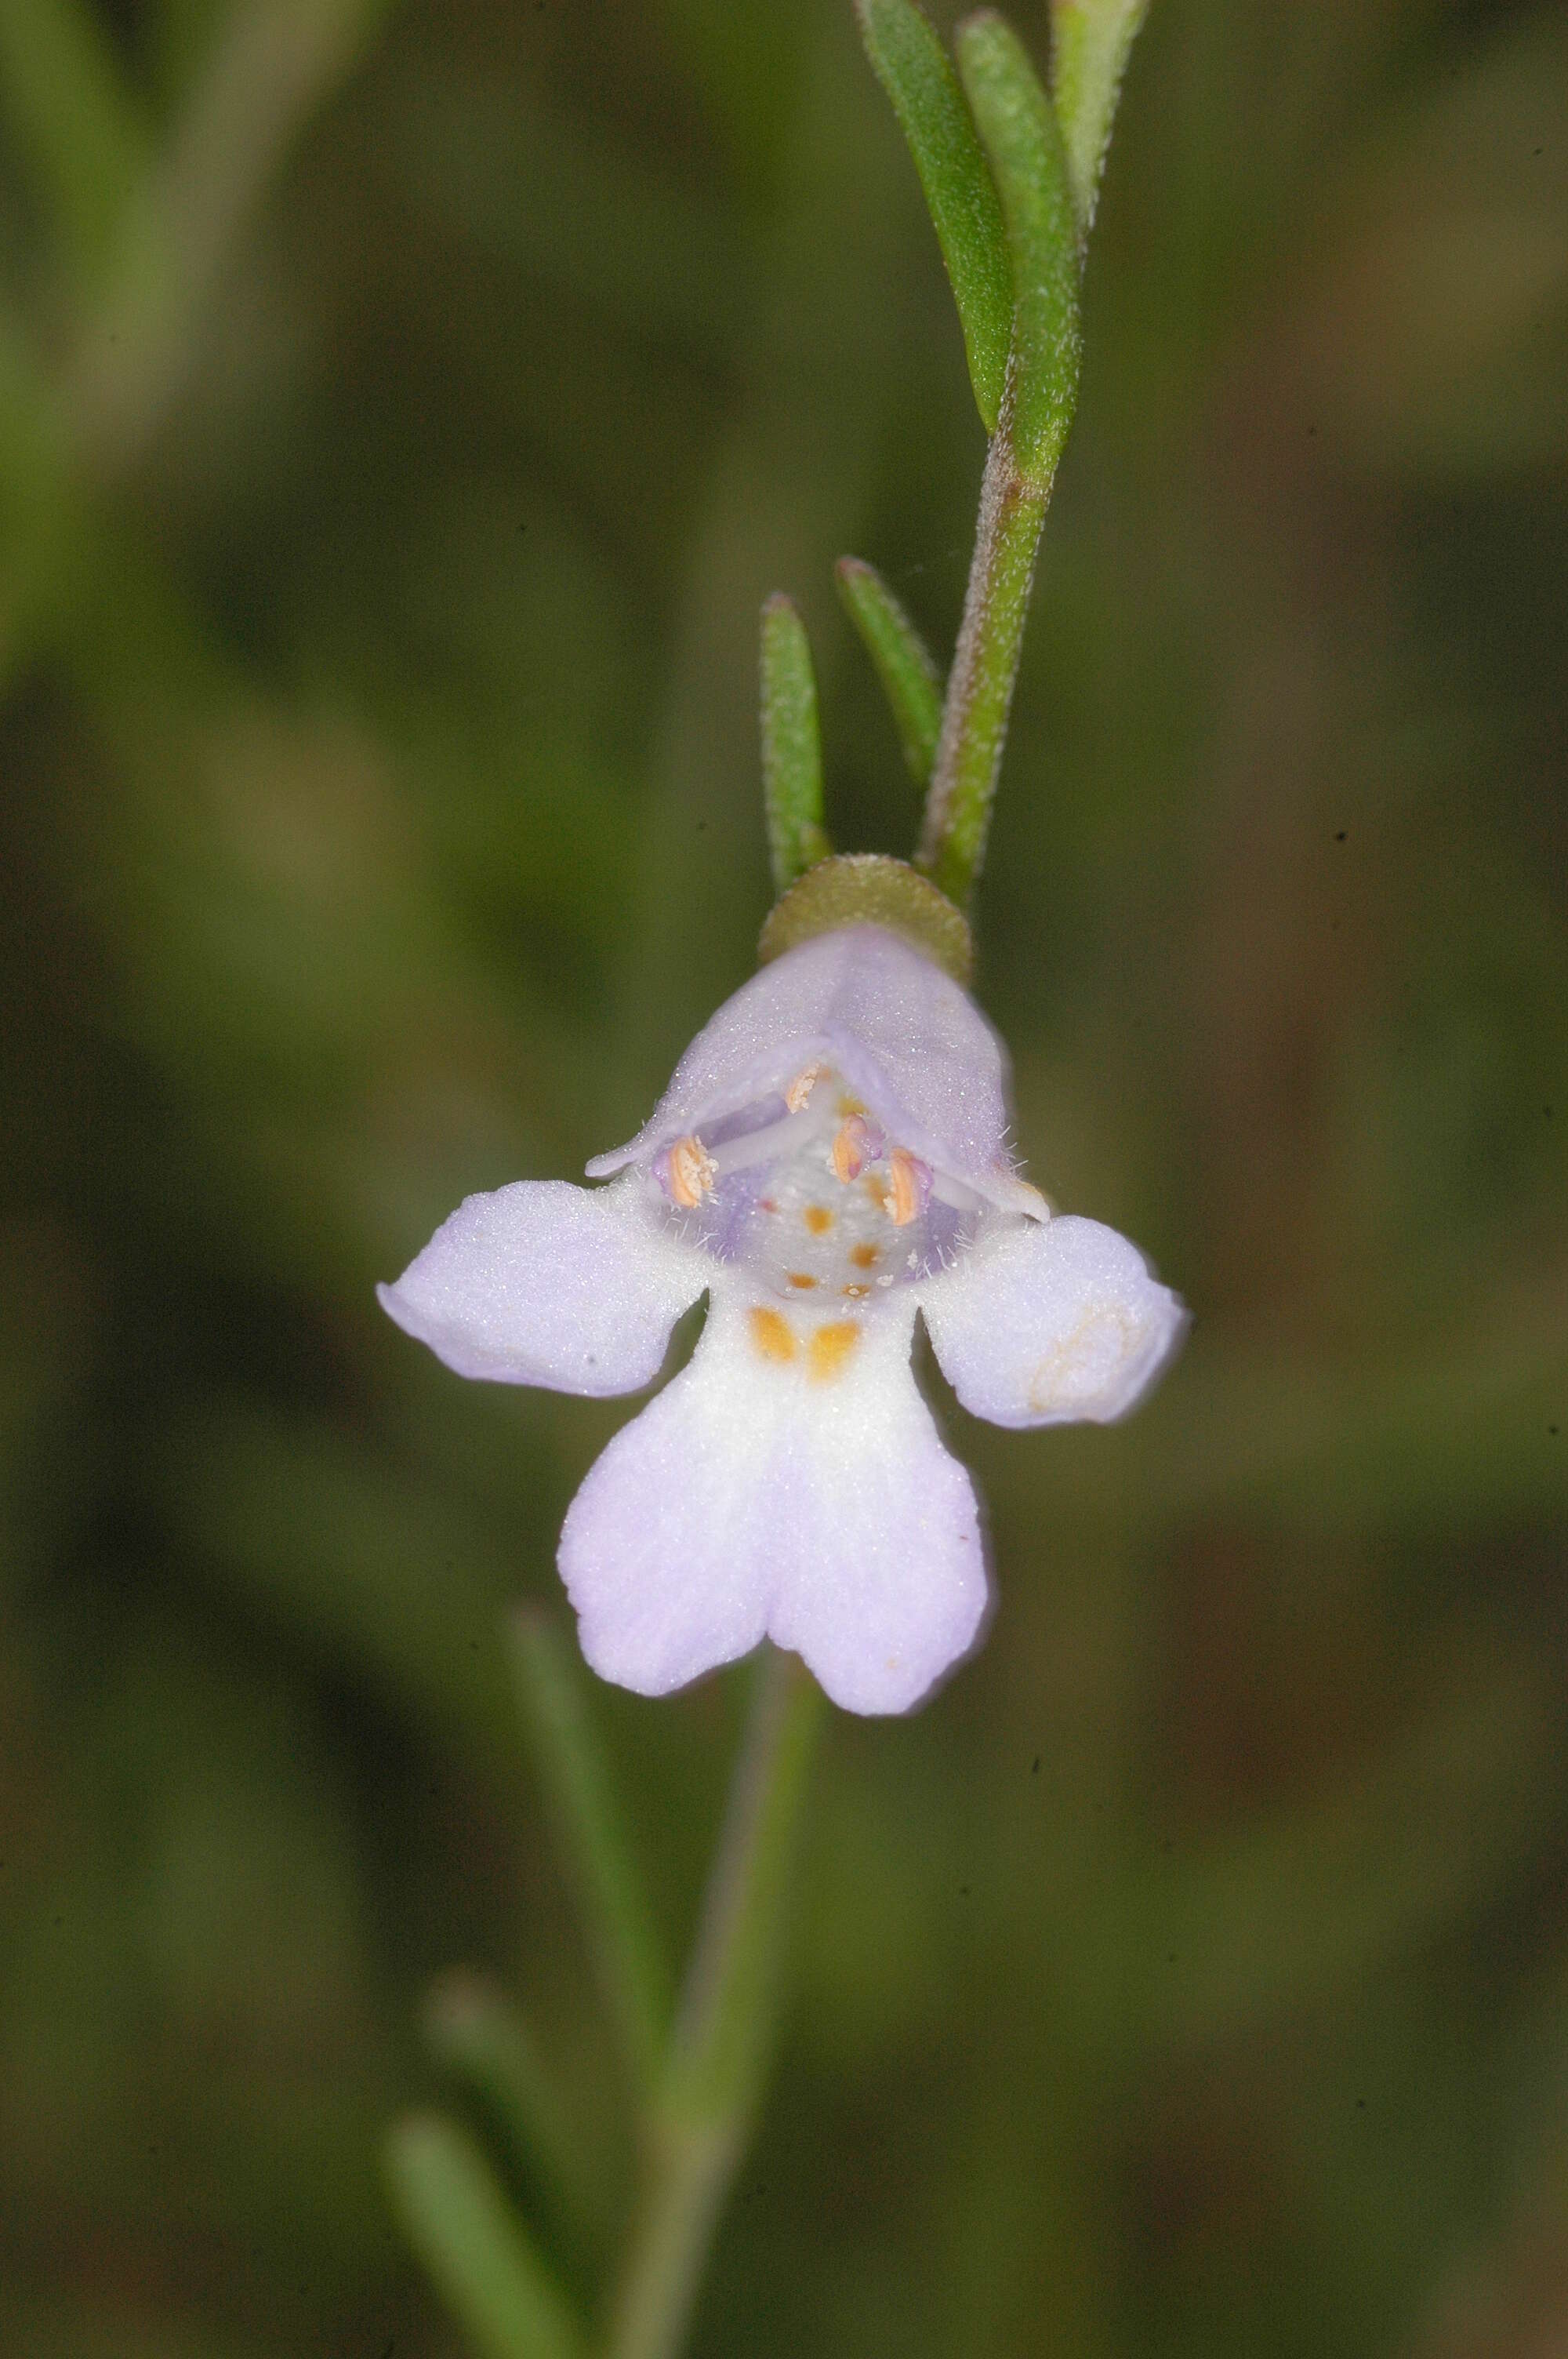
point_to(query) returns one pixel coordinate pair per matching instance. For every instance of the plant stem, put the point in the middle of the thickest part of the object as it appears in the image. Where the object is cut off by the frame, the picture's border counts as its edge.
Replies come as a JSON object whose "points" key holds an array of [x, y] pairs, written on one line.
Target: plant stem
{"points": [[985, 666], [718, 2054]]}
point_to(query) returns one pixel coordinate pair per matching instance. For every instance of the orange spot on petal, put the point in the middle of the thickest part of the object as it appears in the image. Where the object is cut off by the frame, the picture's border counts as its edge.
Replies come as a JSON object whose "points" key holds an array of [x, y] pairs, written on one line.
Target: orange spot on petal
{"points": [[830, 1347], [799, 1278], [817, 1219], [772, 1334], [865, 1256]]}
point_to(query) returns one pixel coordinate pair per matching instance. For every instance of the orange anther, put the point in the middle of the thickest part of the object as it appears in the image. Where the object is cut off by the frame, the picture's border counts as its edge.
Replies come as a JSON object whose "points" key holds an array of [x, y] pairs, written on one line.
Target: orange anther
{"points": [[689, 1172], [855, 1144], [909, 1186], [800, 1089]]}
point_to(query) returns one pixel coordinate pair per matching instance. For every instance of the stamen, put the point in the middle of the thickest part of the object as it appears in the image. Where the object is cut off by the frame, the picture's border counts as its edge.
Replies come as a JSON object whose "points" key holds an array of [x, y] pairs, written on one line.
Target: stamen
{"points": [[686, 1171], [800, 1089], [775, 1142], [954, 1195], [855, 1144], [908, 1189]]}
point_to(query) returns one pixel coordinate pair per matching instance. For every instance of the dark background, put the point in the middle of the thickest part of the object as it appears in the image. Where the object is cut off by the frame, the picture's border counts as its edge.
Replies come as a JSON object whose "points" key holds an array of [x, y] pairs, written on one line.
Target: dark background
{"points": [[401, 421]]}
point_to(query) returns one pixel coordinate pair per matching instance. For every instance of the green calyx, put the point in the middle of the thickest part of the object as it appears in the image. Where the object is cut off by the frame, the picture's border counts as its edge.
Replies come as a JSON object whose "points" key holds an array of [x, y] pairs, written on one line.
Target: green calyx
{"points": [[867, 888]]}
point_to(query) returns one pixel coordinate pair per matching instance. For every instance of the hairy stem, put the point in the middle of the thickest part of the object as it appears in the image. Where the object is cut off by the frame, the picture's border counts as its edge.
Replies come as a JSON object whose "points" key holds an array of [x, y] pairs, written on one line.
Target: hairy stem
{"points": [[985, 666]]}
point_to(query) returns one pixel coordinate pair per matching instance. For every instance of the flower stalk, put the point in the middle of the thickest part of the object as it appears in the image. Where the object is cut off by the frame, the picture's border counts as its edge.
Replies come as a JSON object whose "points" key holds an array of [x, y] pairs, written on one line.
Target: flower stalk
{"points": [[697, 2133]]}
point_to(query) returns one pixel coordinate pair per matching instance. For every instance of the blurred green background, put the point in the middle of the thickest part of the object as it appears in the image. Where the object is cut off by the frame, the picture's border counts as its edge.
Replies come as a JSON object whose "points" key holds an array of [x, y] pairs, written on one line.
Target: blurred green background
{"points": [[402, 416]]}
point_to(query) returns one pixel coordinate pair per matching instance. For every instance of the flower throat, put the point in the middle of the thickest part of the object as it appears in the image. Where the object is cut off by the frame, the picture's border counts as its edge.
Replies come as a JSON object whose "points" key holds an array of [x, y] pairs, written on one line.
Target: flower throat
{"points": [[807, 1191]]}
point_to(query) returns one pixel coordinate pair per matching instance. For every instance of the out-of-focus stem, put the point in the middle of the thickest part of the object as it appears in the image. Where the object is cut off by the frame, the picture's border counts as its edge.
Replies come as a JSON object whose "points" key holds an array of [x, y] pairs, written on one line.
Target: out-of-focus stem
{"points": [[273, 63], [718, 2054]]}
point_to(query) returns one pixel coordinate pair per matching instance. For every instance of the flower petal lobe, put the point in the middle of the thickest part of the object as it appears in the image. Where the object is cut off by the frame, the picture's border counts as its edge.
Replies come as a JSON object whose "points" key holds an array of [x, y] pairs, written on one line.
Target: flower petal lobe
{"points": [[544, 1284], [804, 1496], [1051, 1322]]}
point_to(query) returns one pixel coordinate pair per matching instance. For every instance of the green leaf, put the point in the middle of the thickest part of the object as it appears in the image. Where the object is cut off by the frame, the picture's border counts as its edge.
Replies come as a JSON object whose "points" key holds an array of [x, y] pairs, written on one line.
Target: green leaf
{"points": [[904, 664], [1019, 127], [617, 1918], [477, 2250], [1090, 42], [912, 66], [475, 2034], [792, 747]]}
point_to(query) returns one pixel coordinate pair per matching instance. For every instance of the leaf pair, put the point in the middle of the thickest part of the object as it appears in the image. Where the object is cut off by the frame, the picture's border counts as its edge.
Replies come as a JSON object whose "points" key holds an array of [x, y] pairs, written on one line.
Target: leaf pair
{"points": [[818, 890], [1008, 216], [1012, 231], [1010, 180], [792, 744]]}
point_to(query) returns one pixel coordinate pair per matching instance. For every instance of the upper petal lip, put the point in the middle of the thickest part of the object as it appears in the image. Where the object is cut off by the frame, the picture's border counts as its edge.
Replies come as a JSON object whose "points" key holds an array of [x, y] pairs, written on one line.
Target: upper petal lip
{"points": [[903, 1034]]}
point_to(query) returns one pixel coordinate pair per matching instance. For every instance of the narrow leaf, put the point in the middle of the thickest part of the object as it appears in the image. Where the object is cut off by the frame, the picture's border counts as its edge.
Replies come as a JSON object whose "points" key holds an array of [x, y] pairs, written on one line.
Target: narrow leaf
{"points": [[904, 664], [912, 66], [476, 2249], [792, 747], [1090, 42], [617, 1918], [1019, 127], [475, 2033]]}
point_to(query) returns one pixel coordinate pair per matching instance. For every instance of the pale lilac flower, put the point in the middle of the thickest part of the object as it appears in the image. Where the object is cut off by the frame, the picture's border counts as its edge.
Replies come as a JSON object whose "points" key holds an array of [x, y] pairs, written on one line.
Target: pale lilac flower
{"points": [[829, 1159]]}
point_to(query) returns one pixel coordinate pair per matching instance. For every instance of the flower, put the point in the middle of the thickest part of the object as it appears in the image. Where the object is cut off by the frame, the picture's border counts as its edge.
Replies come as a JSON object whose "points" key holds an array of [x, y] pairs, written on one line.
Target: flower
{"points": [[829, 1159]]}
